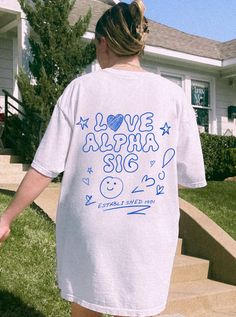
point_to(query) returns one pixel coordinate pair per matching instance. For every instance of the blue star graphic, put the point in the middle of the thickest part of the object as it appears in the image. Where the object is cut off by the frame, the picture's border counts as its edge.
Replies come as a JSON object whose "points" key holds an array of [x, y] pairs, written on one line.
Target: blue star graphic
{"points": [[90, 170], [83, 123], [165, 129]]}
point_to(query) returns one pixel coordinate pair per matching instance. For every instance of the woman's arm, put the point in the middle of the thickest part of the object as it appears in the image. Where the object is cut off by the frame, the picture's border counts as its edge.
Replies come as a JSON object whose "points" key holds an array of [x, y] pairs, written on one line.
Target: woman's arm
{"points": [[30, 188]]}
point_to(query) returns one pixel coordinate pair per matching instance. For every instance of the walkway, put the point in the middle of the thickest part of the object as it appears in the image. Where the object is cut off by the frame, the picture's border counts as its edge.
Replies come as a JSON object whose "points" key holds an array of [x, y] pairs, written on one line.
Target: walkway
{"points": [[47, 200]]}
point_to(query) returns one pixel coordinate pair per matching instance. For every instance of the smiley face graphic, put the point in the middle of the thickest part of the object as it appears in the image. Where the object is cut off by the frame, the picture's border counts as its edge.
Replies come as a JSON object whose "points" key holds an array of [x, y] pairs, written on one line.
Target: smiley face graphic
{"points": [[111, 187]]}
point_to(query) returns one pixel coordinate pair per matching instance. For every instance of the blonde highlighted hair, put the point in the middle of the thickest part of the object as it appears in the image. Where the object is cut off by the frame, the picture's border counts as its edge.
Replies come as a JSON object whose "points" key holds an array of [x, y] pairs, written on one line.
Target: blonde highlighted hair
{"points": [[124, 26]]}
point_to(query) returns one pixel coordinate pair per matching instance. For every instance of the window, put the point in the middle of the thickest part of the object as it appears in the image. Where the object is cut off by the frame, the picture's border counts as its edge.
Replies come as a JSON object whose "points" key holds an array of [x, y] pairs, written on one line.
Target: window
{"points": [[200, 95]]}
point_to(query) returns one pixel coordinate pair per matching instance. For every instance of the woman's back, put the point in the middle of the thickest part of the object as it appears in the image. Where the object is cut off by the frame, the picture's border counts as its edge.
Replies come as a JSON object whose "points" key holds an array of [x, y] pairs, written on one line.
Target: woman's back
{"points": [[126, 141]]}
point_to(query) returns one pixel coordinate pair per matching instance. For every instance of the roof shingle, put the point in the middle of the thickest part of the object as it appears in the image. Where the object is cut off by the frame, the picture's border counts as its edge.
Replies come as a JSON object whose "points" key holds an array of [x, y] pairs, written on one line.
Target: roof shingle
{"points": [[161, 35]]}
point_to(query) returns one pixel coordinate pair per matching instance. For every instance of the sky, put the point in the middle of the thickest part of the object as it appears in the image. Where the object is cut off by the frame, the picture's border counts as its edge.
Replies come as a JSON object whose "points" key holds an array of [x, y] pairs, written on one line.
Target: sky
{"points": [[213, 19]]}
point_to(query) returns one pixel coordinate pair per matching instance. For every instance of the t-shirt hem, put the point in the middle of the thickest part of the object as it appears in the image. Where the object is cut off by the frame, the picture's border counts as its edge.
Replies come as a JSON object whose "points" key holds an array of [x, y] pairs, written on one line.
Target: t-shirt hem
{"points": [[43, 170], [193, 185], [114, 311]]}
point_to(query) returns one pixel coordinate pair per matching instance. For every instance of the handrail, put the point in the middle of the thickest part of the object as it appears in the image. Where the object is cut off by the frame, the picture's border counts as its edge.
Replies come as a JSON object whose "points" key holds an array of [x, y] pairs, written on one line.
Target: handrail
{"points": [[12, 97], [11, 110], [20, 103]]}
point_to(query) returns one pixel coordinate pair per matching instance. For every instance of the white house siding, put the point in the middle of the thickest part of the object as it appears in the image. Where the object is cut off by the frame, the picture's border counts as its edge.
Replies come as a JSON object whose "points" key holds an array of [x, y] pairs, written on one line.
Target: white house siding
{"points": [[6, 67], [10, 5], [225, 96], [187, 73]]}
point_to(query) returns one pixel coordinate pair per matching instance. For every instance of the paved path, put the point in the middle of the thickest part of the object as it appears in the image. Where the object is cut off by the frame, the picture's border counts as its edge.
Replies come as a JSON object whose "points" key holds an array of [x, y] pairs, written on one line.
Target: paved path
{"points": [[47, 200]]}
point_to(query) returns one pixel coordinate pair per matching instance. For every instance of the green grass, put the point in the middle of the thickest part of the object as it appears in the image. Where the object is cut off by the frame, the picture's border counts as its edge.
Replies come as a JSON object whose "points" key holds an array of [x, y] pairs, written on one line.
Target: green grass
{"points": [[218, 201], [27, 268], [27, 259]]}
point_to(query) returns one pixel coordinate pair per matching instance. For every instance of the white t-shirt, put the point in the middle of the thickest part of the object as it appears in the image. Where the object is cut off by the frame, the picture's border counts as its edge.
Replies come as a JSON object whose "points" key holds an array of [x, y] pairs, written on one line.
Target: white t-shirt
{"points": [[124, 140]]}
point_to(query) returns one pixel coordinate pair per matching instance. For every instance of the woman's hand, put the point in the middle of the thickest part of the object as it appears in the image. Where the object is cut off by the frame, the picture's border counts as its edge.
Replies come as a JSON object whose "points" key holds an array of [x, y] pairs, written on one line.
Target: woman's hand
{"points": [[4, 229], [31, 186]]}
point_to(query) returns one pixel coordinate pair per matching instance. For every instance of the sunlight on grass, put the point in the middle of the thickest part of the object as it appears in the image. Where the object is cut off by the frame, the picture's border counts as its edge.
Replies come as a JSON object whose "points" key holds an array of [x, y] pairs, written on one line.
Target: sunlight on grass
{"points": [[217, 201], [27, 268], [28, 258]]}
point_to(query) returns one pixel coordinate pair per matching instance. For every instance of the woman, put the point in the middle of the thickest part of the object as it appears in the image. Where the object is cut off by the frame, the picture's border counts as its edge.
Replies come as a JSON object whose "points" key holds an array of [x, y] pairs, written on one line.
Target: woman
{"points": [[124, 138]]}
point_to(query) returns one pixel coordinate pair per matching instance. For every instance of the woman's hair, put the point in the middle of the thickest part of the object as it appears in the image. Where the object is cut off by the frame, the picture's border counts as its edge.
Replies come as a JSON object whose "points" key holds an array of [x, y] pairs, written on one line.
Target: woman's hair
{"points": [[124, 26]]}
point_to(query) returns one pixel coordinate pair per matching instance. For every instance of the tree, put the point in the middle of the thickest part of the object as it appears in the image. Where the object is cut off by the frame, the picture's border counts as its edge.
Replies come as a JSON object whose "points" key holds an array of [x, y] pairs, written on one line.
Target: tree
{"points": [[58, 55]]}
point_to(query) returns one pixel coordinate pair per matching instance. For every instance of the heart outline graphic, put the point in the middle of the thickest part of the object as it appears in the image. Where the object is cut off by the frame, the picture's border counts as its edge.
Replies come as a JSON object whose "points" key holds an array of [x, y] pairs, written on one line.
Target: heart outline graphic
{"points": [[85, 181], [159, 190], [152, 163]]}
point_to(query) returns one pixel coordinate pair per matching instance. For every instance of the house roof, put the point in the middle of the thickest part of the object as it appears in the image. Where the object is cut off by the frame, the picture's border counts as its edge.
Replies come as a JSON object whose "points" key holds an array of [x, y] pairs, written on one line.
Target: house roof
{"points": [[161, 35]]}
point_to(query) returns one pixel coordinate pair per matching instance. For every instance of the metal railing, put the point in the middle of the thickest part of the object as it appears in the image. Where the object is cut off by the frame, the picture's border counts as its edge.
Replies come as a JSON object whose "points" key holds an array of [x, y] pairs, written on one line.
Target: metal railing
{"points": [[12, 105]]}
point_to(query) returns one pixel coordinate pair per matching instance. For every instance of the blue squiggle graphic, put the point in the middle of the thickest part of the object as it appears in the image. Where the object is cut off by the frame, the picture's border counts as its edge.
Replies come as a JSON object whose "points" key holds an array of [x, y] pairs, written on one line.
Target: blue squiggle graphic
{"points": [[88, 200], [138, 211]]}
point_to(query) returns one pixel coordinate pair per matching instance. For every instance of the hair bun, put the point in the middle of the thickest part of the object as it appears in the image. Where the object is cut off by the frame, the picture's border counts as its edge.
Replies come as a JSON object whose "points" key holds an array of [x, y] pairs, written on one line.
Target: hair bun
{"points": [[137, 9]]}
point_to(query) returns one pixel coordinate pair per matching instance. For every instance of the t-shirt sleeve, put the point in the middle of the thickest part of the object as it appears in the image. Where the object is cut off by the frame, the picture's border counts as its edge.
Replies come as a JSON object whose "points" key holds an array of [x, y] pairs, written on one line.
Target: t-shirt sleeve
{"points": [[51, 154], [190, 164]]}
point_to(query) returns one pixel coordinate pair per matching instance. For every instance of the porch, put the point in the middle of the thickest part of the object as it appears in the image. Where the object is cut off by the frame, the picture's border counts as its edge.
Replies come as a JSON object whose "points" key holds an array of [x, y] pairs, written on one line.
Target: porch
{"points": [[13, 47]]}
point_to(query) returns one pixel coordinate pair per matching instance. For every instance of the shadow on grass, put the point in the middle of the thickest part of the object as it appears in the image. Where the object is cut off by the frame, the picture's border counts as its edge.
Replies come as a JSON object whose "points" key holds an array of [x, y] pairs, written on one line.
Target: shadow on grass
{"points": [[36, 208], [13, 306]]}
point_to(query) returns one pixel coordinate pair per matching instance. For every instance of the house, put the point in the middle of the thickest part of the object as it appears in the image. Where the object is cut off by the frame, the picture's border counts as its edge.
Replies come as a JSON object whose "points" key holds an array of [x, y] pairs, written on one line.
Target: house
{"points": [[204, 68]]}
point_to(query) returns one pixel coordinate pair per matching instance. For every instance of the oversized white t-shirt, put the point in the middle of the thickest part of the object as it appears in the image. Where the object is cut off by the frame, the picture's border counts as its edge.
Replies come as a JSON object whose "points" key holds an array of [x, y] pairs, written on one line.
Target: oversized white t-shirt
{"points": [[124, 140]]}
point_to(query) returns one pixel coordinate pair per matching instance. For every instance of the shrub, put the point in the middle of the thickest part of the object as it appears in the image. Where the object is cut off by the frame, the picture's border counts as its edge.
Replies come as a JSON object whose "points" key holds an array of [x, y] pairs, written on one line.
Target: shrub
{"points": [[58, 54], [219, 156]]}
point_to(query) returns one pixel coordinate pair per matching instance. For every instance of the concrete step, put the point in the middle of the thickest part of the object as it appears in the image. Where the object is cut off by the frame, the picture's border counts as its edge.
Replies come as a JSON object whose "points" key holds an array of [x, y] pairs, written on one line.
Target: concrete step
{"points": [[196, 298], [6, 158], [13, 178], [171, 315], [221, 312], [179, 246], [187, 268], [10, 168]]}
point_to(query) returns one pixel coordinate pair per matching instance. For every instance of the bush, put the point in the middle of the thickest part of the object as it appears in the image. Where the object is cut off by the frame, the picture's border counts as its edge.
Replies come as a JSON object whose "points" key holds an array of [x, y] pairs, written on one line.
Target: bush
{"points": [[23, 135], [58, 54], [219, 156]]}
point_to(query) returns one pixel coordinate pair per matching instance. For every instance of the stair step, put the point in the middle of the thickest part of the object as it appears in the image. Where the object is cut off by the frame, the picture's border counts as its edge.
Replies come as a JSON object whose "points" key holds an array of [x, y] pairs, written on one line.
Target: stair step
{"points": [[12, 168], [179, 246], [198, 297], [187, 268], [6, 158], [229, 311], [171, 315], [14, 178]]}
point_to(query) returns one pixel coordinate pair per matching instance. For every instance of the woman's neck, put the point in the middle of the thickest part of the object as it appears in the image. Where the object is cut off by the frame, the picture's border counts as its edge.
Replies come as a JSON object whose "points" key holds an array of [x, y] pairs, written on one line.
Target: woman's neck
{"points": [[126, 63]]}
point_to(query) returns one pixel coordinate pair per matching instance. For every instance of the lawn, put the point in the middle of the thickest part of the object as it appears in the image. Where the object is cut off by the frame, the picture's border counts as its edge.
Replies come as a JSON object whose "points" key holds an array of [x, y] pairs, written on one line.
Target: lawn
{"points": [[27, 259], [27, 268], [218, 201]]}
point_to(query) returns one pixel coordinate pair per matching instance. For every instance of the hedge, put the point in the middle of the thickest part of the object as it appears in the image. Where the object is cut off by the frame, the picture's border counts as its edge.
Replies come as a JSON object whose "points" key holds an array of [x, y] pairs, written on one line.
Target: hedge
{"points": [[219, 154]]}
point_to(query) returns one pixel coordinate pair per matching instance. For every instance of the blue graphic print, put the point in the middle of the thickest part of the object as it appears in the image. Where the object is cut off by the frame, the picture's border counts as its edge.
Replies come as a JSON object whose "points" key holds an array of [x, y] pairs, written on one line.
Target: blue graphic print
{"points": [[114, 122], [159, 190], [138, 209], [86, 181], [168, 156], [90, 170], [83, 123], [88, 200], [111, 187], [123, 140], [145, 183], [165, 129]]}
